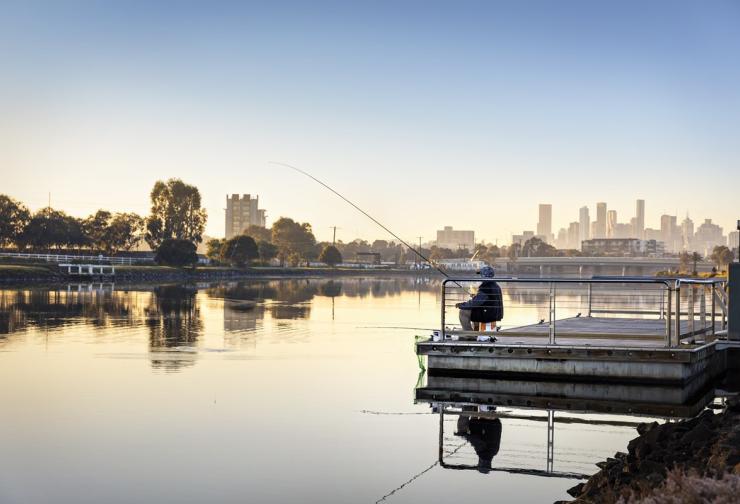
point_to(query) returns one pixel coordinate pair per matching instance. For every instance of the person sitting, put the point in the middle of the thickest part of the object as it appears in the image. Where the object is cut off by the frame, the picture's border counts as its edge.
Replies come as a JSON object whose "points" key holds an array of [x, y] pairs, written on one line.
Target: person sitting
{"points": [[486, 307]]}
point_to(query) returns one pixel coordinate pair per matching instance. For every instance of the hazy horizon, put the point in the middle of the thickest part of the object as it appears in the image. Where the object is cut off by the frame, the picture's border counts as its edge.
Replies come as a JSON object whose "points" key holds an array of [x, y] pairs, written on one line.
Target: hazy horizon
{"points": [[425, 114]]}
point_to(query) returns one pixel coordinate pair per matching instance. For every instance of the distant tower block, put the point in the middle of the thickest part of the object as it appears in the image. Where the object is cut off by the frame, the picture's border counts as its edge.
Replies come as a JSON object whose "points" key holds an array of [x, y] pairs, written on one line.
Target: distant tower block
{"points": [[544, 226], [242, 213]]}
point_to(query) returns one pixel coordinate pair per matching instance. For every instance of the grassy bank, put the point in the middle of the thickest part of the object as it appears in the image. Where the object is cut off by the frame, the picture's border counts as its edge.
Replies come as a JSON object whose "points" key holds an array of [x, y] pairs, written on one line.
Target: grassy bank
{"points": [[44, 273], [21, 272]]}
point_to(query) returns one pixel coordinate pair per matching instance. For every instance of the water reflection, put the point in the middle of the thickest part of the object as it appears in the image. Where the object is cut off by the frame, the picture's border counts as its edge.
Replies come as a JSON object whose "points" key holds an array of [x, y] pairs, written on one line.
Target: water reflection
{"points": [[481, 410], [484, 434], [56, 308], [174, 322]]}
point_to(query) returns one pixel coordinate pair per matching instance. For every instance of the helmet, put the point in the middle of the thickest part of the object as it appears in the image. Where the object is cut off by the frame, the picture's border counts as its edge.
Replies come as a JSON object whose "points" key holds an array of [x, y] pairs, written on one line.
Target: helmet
{"points": [[487, 272]]}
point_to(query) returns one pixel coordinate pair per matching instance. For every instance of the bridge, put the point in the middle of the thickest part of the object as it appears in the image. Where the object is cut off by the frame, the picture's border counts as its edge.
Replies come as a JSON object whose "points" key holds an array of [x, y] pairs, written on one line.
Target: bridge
{"points": [[589, 266]]}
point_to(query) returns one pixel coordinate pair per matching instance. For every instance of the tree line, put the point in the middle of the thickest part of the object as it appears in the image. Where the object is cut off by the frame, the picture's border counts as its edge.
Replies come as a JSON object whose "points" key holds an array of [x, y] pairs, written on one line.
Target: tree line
{"points": [[176, 219]]}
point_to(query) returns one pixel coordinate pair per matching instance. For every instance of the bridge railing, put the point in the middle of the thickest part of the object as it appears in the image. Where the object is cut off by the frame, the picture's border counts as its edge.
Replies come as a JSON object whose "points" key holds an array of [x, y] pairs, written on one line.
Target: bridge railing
{"points": [[66, 258], [687, 308]]}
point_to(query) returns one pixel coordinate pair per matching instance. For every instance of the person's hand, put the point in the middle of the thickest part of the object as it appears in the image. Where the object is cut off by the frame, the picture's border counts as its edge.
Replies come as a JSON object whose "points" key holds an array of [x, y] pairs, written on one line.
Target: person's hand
{"points": [[457, 305]]}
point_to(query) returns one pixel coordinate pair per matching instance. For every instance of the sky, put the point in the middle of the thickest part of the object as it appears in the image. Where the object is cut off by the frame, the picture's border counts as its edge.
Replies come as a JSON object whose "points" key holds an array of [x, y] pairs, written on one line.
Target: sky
{"points": [[423, 113]]}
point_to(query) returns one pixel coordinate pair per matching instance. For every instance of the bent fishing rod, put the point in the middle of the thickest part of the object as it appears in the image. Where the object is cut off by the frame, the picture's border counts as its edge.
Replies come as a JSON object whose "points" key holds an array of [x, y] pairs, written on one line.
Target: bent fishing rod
{"points": [[363, 212]]}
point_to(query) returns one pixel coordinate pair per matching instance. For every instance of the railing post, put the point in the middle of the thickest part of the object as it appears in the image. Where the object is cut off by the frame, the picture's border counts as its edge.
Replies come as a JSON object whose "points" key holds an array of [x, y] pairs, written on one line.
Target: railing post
{"points": [[442, 318], [690, 310], [668, 318], [712, 293], [552, 313], [677, 325], [703, 310], [590, 294]]}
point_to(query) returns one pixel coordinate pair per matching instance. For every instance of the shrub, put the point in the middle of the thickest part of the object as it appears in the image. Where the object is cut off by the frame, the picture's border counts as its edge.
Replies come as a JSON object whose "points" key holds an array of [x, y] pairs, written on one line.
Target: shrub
{"points": [[239, 250], [330, 255], [175, 252]]}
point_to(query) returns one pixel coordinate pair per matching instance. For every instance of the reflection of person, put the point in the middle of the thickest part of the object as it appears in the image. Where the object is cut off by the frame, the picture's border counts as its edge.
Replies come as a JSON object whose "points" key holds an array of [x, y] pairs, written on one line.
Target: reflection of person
{"points": [[486, 307], [485, 436]]}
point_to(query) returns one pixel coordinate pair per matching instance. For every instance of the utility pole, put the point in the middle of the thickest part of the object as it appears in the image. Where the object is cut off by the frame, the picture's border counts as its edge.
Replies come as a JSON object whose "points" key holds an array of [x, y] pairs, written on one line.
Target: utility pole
{"points": [[334, 239], [420, 251]]}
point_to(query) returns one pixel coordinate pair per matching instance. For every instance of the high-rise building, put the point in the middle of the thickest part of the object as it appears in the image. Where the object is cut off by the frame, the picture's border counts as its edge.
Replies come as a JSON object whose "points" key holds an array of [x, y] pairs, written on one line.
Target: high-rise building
{"points": [[242, 213], [687, 233], [561, 242], [544, 226], [611, 223], [733, 240], [639, 222], [669, 233], [521, 239], [600, 222], [574, 239], [707, 237], [584, 223], [455, 239]]}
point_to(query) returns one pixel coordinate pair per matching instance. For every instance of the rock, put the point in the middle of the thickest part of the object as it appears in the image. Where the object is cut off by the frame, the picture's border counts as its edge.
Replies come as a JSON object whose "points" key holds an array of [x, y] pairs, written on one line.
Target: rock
{"points": [[644, 427], [733, 404], [700, 434], [576, 490]]}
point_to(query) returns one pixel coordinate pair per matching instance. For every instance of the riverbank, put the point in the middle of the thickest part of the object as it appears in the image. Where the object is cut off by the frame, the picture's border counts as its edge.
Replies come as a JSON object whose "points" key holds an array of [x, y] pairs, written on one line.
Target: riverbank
{"points": [[696, 460], [45, 273]]}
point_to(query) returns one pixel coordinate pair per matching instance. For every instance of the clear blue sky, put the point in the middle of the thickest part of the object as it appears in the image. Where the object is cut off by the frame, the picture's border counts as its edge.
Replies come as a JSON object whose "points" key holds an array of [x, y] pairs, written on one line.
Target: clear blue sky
{"points": [[426, 113]]}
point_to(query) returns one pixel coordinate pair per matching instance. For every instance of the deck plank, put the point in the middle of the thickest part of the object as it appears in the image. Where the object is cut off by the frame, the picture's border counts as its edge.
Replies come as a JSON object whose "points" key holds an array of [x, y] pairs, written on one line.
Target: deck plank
{"points": [[595, 331]]}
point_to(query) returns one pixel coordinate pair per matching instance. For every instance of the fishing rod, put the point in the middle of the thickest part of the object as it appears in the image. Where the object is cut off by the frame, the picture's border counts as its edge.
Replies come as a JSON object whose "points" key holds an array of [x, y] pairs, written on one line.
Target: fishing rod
{"points": [[363, 212]]}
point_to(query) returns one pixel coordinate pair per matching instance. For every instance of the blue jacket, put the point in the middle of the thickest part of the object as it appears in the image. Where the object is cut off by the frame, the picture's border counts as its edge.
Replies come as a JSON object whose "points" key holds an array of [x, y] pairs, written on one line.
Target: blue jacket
{"points": [[487, 305]]}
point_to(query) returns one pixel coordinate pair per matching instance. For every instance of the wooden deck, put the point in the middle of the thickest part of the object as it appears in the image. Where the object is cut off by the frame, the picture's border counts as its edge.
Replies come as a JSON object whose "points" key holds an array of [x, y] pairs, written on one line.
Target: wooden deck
{"points": [[593, 331]]}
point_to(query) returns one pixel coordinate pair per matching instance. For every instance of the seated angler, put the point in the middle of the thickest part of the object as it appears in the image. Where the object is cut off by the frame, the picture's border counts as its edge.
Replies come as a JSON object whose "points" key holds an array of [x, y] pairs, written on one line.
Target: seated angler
{"points": [[486, 307]]}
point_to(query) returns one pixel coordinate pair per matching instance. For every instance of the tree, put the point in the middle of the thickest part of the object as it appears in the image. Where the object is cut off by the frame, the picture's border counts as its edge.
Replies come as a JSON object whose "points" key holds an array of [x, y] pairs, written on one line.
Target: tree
{"points": [[331, 256], [684, 260], [293, 240], [239, 250], [13, 219], [513, 251], [722, 256], [535, 247], [176, 252], [213, 249], [97, 230], [695, 258], [51, 228], [259, 233], [126, 231], [267, 251], [175, 213]]}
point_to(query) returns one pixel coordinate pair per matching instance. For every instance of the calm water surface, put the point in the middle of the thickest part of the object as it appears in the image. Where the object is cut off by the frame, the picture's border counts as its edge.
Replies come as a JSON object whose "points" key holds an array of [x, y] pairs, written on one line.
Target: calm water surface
{"points": [[268, 391]]}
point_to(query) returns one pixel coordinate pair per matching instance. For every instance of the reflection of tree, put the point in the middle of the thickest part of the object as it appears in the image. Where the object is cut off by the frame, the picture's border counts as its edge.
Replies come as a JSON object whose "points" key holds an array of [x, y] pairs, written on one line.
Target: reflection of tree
{"points": [[20, 309], [330, 289], [174, 321]]}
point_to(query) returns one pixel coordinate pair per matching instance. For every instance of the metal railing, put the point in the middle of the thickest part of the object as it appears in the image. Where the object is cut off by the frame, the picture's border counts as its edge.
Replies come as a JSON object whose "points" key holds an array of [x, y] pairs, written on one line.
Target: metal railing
{"points": [[65, 258], [686, 308]]}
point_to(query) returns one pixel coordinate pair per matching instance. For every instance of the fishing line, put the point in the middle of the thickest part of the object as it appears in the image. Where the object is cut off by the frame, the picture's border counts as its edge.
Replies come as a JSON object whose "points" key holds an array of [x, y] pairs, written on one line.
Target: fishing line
{"points": [[363, 212]]}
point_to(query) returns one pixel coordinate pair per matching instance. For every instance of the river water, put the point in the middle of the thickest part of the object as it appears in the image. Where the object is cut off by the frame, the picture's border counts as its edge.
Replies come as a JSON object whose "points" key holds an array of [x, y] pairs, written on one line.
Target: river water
{"points": [[262, 391]]}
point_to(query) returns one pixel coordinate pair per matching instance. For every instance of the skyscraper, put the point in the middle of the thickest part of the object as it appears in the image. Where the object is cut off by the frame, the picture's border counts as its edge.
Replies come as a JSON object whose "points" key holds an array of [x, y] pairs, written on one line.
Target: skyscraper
{"points": [[669, 233], [242, 213], [584, 223], [600, 223], [544, 226], [687, 233], [611, 223], [639, 230]]}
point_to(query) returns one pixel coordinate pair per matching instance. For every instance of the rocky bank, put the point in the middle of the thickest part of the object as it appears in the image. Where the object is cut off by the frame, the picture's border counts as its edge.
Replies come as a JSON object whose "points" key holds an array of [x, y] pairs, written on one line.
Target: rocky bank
{"points": [[706, 447]]}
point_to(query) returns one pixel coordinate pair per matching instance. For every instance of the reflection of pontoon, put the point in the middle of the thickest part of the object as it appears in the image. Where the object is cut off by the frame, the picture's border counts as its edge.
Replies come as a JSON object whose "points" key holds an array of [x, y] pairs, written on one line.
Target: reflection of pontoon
{"points": [[481, 405], [627, 399]]}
